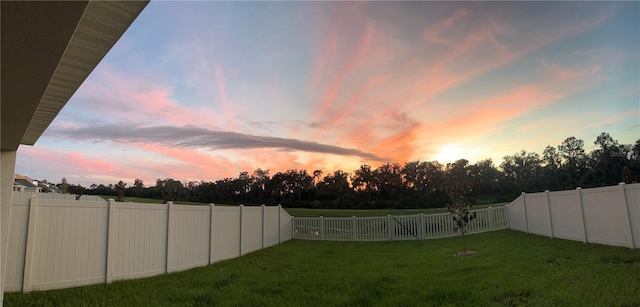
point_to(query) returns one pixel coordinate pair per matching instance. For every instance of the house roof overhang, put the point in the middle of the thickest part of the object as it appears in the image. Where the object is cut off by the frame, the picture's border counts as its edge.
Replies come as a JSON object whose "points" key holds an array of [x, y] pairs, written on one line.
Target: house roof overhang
{"points": [[48, 49]]}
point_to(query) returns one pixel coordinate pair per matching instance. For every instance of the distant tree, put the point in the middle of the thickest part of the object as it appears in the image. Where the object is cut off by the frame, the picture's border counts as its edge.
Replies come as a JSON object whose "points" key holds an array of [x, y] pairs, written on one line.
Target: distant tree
{"points": [[606, 162], [363, 181], [138, 184], [335, 186], [63, 186], [635, 151], [120, 186], [76, 189], [627, 177], [484, 176], [522, 170], [316, 176], [574, 166], [552, 161], [388, 181], [259, 182], [170, 189]]}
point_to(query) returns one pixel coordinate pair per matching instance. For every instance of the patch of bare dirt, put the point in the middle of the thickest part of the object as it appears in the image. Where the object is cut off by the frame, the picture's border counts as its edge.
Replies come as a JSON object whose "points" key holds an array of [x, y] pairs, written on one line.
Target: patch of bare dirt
{"points": [[464, 254]]}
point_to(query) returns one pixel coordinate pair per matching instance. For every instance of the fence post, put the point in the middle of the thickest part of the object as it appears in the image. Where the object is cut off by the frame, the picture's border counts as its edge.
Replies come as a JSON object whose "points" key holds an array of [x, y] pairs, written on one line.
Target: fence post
{"points": [[240, 236], [31, 237], [584, 224], [354, 222], [212, 226], [423, 231], [550, 216], [280, 224], [526, 220], [626, 205], [169, 239], [111, 241], [506, 215], [490, 211], [293, 227], [321, 228], [389, 224], [262, 225]]}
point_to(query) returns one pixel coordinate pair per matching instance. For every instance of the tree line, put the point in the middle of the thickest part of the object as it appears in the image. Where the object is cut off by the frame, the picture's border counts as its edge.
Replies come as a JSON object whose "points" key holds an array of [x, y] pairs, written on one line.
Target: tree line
{"points": [[415, 184]]}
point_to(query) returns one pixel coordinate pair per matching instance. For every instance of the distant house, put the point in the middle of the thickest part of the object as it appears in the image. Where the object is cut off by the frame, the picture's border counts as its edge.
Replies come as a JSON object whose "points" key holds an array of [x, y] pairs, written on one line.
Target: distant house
{"points": [[18, 187], [46, 187], [26, 184]]}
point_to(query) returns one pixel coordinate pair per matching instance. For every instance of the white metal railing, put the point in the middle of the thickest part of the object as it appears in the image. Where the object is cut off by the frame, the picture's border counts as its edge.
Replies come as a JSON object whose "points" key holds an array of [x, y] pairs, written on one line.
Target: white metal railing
{"points": [[388, 228]]}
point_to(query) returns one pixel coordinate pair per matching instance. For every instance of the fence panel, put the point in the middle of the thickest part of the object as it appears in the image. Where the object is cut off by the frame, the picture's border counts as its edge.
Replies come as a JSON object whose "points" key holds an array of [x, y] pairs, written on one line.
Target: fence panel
{"points": [[480, 223], [606, 215], [517, 214], [372, 229], [307, 228], [500, 218], [251, 229], [538, 214], [190, 235], [73, 244], [286, 226], [566, 215], [271, 226], [226, 233], [406, 227], [139, 232], [13, 276], [439, 226], [633, 201]]}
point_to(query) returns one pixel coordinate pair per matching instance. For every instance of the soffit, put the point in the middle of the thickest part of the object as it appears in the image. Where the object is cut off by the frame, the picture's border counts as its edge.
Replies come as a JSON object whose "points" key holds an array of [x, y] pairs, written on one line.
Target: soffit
{"points": [[48, 50]]}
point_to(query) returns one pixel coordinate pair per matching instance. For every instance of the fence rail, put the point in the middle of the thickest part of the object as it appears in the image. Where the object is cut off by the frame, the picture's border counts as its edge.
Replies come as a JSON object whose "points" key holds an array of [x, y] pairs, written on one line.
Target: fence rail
{"points": [[389, 228], [54, 195], [59, 243]]}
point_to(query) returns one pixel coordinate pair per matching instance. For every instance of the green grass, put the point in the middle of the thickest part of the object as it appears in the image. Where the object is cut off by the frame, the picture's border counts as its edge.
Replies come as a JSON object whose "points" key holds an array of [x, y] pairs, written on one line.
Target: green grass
{"points": [[374, 212], [509, 269]]}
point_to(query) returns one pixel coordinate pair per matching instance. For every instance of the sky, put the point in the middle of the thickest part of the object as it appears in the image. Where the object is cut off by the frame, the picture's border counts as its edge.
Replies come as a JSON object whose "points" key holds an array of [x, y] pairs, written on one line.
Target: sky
{"points": [[206, 90]]}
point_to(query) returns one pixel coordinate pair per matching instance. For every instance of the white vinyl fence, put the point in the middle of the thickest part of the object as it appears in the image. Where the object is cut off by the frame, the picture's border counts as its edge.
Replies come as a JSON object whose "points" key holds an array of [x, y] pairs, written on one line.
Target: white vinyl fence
{"points": [[54, 195], [607, 215], [56, 243], [388, 228]]}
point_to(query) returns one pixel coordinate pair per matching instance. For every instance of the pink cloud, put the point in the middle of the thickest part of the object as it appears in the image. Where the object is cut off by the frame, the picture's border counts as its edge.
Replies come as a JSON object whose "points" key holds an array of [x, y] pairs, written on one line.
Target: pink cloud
{"points": [[354, 59], [229, 113], [127, 98], [72, 165]]}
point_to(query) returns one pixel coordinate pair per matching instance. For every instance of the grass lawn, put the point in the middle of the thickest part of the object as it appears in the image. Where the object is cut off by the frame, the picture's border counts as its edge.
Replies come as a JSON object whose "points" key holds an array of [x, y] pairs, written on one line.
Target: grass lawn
{"points": [[509, 269], [374, 212]]}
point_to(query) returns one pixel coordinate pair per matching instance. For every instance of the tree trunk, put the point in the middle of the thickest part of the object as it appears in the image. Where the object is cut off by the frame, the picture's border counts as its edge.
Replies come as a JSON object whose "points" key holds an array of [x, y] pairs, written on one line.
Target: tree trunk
{"points": [[464, 245]]}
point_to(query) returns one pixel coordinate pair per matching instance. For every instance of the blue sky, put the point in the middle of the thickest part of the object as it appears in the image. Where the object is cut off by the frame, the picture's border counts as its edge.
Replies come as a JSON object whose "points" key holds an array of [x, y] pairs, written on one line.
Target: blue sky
{"points": [[205, 90]]}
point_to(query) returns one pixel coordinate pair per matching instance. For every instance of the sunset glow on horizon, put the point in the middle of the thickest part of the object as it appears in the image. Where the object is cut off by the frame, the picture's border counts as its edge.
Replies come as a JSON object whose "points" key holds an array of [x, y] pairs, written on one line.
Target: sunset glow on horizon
{"points": [[206, 90]]}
